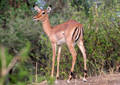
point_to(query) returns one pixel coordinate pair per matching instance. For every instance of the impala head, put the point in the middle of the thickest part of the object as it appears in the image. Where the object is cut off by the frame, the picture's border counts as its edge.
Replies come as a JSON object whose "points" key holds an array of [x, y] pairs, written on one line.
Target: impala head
{"points": [[42, 15]]}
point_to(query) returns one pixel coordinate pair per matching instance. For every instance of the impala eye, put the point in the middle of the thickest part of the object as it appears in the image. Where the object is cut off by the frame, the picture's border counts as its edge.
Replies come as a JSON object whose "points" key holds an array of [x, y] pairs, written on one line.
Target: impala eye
{"points": [[43, 12]]}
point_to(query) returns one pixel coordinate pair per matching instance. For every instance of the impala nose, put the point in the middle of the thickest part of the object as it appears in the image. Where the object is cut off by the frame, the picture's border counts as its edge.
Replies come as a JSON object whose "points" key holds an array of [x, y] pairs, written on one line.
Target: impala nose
{"points": [[34, 19]]}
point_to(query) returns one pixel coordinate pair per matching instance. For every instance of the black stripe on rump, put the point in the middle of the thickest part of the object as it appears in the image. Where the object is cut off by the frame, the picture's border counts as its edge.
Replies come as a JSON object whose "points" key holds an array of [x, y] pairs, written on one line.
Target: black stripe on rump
{"points": [[78, 35], [75, 33]]}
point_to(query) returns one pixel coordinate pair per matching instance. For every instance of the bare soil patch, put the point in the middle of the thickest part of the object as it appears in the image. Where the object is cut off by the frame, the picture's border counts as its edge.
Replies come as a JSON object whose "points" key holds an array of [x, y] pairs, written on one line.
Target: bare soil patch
{"points": [[111, 79]]}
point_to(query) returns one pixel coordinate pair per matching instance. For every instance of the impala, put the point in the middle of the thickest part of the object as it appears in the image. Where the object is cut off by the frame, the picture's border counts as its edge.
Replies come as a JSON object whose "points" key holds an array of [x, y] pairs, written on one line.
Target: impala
{"points": [[70, 32]]}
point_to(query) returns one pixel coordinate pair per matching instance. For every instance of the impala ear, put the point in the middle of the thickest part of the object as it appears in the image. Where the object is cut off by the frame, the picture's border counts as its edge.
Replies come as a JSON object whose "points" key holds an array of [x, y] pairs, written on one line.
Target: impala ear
{"points": [[37, 8], [49, 9]]}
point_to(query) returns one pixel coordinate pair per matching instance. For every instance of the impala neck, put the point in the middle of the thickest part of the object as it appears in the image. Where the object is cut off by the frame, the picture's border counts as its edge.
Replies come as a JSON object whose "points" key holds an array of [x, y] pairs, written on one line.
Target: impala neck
{"points": [[46, 26]]}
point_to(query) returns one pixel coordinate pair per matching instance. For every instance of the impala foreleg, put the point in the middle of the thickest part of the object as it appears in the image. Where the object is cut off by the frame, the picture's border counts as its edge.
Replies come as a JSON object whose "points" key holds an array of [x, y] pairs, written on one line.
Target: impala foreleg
{"points": [[58, 61], [53, 58], [82, 48]]}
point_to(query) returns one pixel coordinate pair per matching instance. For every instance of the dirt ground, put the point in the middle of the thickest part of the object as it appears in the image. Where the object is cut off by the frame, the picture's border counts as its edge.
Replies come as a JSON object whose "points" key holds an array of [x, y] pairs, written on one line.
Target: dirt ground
{"points": [[111, 79]]}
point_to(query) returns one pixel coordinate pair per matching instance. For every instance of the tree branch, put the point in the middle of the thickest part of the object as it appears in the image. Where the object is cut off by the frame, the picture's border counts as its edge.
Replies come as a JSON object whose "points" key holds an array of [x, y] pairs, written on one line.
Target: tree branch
{"points": [[12, 64]]}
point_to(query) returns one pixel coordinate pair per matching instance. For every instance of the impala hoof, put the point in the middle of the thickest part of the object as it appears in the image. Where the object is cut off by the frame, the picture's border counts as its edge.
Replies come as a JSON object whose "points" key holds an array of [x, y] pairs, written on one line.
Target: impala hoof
{"points": [[84, 79], [68, 81], [56, 81]]}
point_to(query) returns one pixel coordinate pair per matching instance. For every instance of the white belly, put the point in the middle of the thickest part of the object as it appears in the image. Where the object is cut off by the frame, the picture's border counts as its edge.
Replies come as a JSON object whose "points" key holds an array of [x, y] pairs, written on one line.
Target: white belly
{"points": [[61, 41]]}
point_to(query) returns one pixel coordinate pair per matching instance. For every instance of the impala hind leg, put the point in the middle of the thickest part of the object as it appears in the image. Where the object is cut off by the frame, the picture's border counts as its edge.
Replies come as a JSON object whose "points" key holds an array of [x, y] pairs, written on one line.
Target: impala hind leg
{"points": [[53, 58], [82, 48], [74, 54]]}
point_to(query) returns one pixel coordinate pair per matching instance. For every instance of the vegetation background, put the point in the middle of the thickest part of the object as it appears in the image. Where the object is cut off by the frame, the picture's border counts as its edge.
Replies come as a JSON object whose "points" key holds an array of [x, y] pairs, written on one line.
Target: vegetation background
{"points": [[24, 47]]}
